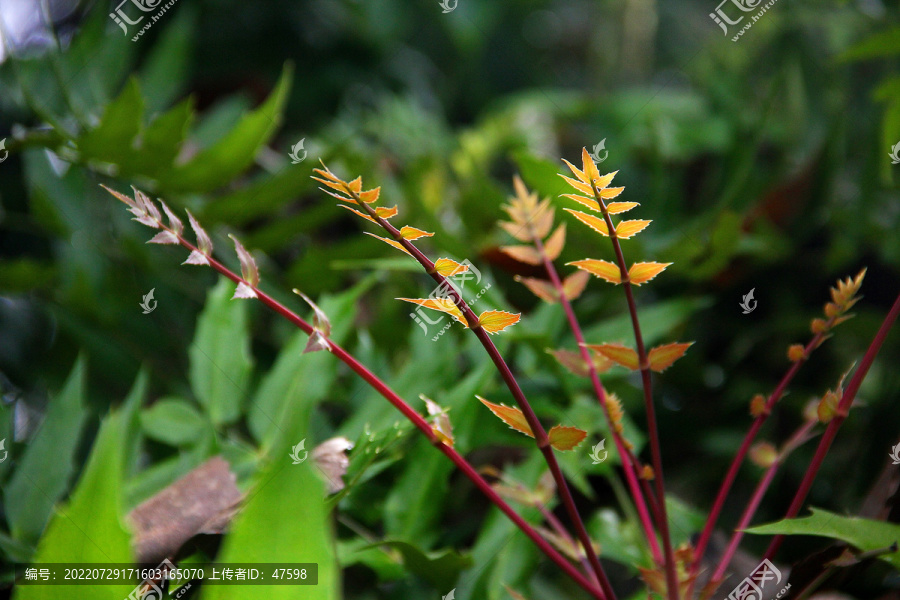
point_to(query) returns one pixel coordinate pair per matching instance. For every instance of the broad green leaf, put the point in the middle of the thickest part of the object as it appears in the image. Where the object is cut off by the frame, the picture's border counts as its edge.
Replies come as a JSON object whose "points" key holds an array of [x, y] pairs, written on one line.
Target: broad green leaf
{"points": [[885, 43], [89, 529], [173, 421], [164, 136], [220, 355], [112, 140], [441, 568], [236, 151], [865, 534], [165, 70], [43, 474]]}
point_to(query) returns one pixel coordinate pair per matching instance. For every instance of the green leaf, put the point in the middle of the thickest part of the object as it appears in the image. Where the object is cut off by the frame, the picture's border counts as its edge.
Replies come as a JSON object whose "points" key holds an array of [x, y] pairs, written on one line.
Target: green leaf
{"points": [[43, 474], [163, 138], [864, 534], [220, 355], [237, 150], [885, 43], [173, 421], [166, 68], [441, 568], [89, 529], [112, 140]]}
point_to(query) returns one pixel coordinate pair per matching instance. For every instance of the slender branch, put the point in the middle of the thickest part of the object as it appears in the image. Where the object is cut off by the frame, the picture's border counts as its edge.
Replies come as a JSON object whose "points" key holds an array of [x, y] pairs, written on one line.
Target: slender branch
{"points": [[629, 462], [841, 414], [540, 435], [416, 419], [652, 429]]}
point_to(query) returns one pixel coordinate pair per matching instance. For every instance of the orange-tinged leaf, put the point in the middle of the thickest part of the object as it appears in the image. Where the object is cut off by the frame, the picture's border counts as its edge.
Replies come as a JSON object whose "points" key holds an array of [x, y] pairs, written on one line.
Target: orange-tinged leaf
{"points": [[411, 233], [600, 268], [541, 288], [516, 230], [572, 361], [605, 180], [626, 229], [574, 284], [615, 208], [590, 169], [610, 193], [662, 357], [370, 196], [578, 173], [555, 243], [645, 271], [393, 243], [356, 185], [340, 197], [510, 415], [444, 305], [581, 187], [495, 321], [565, 438], [588, 202], [447, 267], [525, 254], [383, 212], [621, 355], [598, 224]]}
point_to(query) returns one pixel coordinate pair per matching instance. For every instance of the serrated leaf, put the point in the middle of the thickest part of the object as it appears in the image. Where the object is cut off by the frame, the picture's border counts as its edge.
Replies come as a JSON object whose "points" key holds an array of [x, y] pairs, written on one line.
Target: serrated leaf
{"points": [[318, 340], [172, 421], [662, 357], [383, 212], [393, 243], [369, 196], [411, 233], [164, 237], [520, 232], [175, 223], [621, 355], [600, 268], [541, 288], [195, 258], [448, 268], [614, 208], [610, 193], [556, 242], [579, 174], [643, 272], [587, 202], [112, 140], [626, 229], [163, 138], [444, 305], [510, 415], [203, 241], [495, 321], [574, 284], [525, 254], [565, 438], [598, 224], [581, 187], [589, 168]]}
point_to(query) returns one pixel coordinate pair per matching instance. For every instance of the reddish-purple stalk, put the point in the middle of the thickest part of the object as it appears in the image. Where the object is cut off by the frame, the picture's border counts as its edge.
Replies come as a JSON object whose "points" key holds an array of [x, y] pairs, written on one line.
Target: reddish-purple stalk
{"points": [[738, 460], [629, 462], [416, 419], [540, 435], [799, 437], [652, 429], [843, 410]]}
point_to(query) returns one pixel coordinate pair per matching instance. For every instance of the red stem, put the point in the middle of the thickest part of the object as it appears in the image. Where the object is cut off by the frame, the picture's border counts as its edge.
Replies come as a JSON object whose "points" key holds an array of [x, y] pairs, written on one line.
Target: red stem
{"points": [[842, 411]]}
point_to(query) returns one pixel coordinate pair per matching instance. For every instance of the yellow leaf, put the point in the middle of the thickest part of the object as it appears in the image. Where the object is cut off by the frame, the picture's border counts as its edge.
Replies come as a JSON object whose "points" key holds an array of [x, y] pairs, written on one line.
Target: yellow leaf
{"points": [[384, 213], [516, 230], [581, 187], [605, 180], [598, 224], [541, 288], [393, 243], [645, 271], [542, 219], [590, 169], [574, 284], [555, 243], [495, 321], [610, 193], [333, 195], [510, 415], [525, 254], [444, 305], [588, 202], [579, 174], [662, 357], [618, 353], [626, 229], [565, 438], [411, 233], [447, 267], [615, 208], [370, 196], [600, 268]]}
